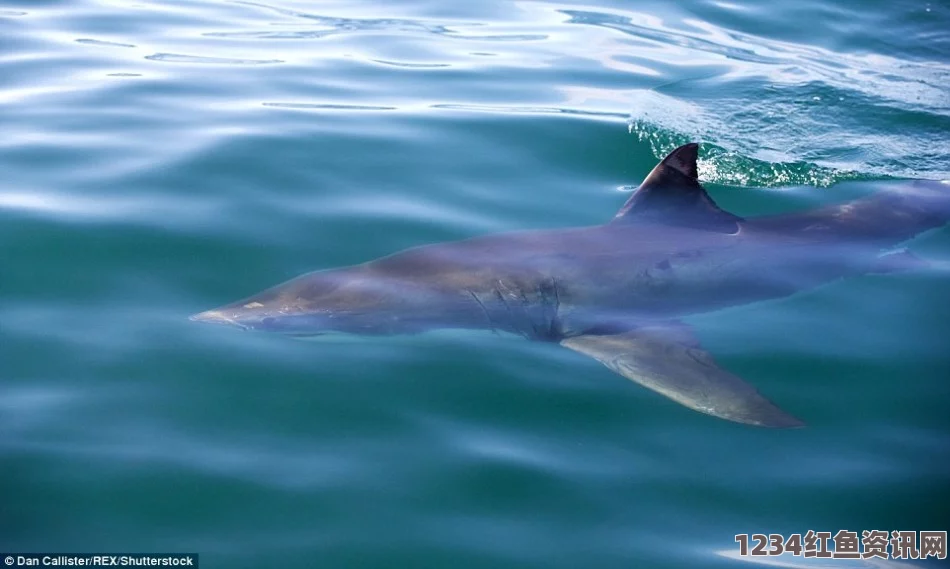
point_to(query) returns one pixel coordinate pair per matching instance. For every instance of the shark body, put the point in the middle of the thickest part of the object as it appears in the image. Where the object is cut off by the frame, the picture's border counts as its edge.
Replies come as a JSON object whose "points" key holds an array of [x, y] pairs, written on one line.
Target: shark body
{"points": [[615, 292]]}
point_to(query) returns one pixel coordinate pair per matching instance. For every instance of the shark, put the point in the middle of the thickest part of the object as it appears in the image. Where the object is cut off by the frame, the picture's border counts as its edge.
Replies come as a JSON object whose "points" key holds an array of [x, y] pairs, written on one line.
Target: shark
{"points": [[617, 292]]}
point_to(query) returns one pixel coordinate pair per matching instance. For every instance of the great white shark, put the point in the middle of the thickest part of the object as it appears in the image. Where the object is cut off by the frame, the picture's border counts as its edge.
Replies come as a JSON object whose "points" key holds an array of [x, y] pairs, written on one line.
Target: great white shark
{"points": [[616, 292]]}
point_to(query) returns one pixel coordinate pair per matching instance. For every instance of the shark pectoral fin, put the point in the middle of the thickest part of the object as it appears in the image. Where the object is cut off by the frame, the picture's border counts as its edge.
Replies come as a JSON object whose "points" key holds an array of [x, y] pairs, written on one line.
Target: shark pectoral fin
{"points": [[669, 360]]}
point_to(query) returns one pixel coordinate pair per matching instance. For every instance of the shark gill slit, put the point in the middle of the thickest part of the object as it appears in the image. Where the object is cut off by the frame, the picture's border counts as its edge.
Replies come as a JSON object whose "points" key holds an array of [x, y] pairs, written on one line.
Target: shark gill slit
{"points": [[491, 324], [525, 303]]}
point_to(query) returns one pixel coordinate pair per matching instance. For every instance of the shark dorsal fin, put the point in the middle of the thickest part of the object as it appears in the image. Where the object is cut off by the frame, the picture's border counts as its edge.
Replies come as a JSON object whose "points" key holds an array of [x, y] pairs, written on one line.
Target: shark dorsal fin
{"points": [[672, 194]]}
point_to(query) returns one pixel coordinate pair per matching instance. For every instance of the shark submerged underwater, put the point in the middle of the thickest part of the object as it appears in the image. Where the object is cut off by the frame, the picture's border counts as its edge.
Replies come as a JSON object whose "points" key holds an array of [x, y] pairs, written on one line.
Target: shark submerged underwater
{"points": [[616, 291]]}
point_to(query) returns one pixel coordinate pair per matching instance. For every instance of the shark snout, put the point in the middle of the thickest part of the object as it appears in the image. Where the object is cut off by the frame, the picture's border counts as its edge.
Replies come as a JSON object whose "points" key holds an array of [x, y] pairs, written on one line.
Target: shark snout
{"points": [[216, 317], [268, 320]]}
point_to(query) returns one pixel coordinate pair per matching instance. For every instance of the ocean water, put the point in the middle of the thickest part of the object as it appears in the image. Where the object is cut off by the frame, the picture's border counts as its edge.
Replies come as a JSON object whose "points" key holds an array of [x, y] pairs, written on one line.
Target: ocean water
{"points": [[164, 157]]}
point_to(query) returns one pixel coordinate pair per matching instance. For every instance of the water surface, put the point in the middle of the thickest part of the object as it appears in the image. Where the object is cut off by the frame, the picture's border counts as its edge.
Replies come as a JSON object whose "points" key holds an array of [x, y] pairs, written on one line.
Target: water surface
{"points": [[161, 158]]}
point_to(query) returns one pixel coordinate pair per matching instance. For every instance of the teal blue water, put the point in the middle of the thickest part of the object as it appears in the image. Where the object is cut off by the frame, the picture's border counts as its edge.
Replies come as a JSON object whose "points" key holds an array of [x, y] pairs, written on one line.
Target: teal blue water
{"points": [[161, 158]]}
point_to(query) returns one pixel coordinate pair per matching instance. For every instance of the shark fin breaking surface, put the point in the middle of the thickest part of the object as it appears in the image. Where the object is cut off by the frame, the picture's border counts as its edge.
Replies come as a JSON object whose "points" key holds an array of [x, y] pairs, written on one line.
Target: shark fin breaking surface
{"points": [[671, 194]]}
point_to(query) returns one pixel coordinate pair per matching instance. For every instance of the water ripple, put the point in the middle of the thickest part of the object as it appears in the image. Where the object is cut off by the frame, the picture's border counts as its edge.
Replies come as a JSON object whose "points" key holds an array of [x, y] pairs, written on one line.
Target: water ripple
{"points": [[653, 31], [328, 106], [412, 65], [180, 58], [337, 25], [516, 110], [102, 43]]}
